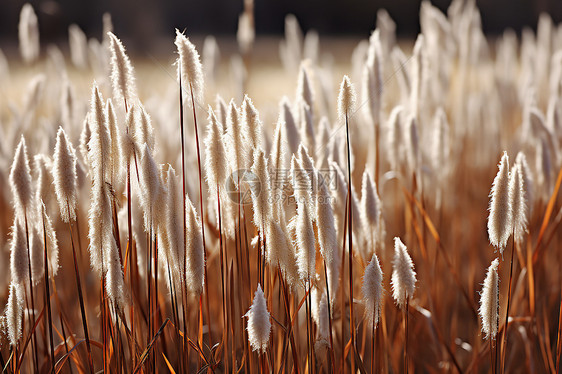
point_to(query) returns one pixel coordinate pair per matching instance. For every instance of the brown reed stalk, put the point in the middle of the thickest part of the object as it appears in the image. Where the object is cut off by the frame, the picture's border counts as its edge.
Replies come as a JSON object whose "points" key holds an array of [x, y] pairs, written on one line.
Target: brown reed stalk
{"points": [[80, 297], [48, 295]]}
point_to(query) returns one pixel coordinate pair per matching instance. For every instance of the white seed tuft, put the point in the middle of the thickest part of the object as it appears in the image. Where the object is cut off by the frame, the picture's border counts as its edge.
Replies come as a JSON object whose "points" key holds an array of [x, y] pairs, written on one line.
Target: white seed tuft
{"points": [[28, 31], [500, 218], [19, 261], [370, 210], [190, 67], [489, 302], [403, 275], [195, 259], [346, 99], [64, 176], [215, 160], [373, 290], [14, 313], [122, 74], [306, 244], [20, 180], [259, 326], [518, 203]]}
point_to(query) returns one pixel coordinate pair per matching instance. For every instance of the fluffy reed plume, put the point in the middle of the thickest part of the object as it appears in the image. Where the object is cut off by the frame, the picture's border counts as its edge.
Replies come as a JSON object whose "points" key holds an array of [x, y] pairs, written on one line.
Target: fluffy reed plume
{"points": [[114, 283], [292, 135], [527, 178], [99, 223], [195, 260], [173, 223], [64, 176], [28, 30], [115, 153], [122, 74], [259, 326], [278, 244], [372, 83], [19, 260], [518, 203], [234, 139], [306, 245], [305, 92], [190, 66], [13, 313], [20, 180], [36, 253], [151, 188], [42, 165], [246, 32], [251, 123], [99, 144], [403, 275], [346, 99], [78, 44], [52, 242], [370, 210], [489, 302], [500, 219], [327, 235], [216, 160], [141, 128], [322, 321], [260, 189], [373, 291]]}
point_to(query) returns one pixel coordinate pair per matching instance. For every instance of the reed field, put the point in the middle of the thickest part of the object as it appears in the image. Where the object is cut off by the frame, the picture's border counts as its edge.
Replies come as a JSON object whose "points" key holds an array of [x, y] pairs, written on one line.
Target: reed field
{"points": [[283, 205]]}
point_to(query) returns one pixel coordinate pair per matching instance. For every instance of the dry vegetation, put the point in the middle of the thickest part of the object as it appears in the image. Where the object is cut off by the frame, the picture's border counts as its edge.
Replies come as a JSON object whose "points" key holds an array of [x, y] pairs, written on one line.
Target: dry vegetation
{"points": [[144, 230]]}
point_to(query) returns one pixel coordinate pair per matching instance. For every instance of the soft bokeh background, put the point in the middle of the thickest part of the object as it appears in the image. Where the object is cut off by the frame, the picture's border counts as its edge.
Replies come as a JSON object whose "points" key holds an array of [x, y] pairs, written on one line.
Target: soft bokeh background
{"points": [[143, 22]]}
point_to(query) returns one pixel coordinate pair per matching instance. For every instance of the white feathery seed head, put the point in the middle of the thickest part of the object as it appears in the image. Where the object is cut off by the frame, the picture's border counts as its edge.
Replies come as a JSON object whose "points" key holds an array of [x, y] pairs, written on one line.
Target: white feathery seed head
{"points": [[14, 313], [190, 66], [292, 135], [327, 233], [99, 144], [251, 122], [215, 160], [114, 283], [527, 178], [19, 262], [28, 32], [115, 152], [99, 222], [195, 259], [64, 176], [370, 210], [36, 253], [489, 302], [20, 180], [277, 245], [42, 165], [346, 99], [259, 325], [52, 242], [305, 91], [260, 190], [122, 74], [151, 187], [518, 203], [234, 138], [373, 291], [403, 275], [500, 218], [306, 244]]}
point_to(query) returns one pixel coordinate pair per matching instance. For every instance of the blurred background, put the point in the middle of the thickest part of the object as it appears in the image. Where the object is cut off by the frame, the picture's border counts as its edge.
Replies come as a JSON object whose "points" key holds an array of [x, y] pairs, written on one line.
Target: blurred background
{"points": [[143, 22]]}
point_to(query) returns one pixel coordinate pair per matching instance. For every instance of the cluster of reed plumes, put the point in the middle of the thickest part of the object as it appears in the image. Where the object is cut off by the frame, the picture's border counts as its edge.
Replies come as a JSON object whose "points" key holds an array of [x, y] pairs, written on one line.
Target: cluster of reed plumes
{"points": [[150, 232]]}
